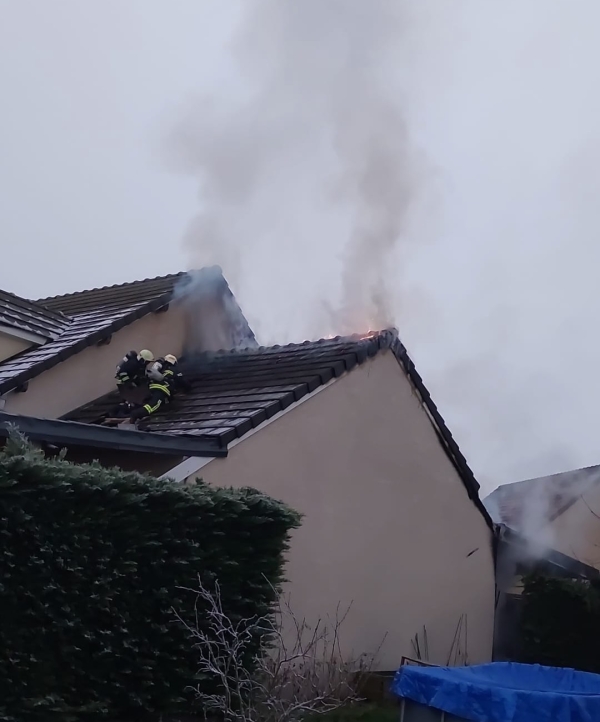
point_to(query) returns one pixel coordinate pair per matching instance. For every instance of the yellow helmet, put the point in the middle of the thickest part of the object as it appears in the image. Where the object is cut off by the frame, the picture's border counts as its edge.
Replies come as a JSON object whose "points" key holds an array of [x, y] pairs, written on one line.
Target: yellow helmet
{"points": [[146, 355], [170, 359]]}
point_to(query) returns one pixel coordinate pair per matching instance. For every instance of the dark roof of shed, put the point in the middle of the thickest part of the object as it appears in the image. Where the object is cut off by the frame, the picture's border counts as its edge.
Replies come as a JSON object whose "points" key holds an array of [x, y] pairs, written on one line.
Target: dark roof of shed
{"points": [[234, 392], [533, 503], [31, 316], [93, 317]]}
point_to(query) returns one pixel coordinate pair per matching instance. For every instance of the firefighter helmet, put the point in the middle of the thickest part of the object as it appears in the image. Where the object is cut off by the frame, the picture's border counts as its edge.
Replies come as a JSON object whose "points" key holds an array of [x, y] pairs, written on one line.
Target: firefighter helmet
{"points": [[170, 359], [146, 355]]}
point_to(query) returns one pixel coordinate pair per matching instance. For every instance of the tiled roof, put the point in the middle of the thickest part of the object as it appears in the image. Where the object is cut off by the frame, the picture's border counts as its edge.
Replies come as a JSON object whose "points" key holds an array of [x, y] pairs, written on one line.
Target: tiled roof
{"points": [[95, 315], [530, 504], [30, 316], [116, 298], [234, 392]]}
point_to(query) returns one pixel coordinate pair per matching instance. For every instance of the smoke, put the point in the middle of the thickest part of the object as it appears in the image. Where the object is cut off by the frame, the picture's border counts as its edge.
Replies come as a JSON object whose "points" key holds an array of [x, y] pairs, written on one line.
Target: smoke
{"points": [[483, 253], [213, 319], [311, 188], [534, 508]]}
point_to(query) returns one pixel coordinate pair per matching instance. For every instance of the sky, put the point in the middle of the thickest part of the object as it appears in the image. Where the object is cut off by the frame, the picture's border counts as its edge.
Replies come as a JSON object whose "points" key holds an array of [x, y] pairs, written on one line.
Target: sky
{"points": [[434, 166]]}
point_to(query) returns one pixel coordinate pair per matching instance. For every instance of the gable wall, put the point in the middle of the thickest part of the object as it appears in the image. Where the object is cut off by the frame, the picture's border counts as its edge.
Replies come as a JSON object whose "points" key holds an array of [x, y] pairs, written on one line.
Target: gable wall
{"points": [[91, 373], [12, 345], [388, 523]]}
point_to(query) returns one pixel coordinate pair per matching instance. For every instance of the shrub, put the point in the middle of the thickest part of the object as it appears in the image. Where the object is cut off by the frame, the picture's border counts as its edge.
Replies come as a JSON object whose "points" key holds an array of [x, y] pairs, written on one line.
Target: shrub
{"points": [[92, 563], [560, 623]]}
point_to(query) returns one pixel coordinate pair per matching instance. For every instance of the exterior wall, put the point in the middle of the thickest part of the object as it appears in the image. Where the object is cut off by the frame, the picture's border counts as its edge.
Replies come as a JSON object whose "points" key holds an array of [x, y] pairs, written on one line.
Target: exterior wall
{"points": [[576, 532], [11, 345], [91, 373], [388, 523]]}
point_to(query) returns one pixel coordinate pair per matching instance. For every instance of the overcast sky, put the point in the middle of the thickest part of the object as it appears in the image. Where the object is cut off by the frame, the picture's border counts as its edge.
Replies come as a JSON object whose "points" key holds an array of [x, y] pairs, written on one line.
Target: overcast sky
{"points": [[124, 125]]}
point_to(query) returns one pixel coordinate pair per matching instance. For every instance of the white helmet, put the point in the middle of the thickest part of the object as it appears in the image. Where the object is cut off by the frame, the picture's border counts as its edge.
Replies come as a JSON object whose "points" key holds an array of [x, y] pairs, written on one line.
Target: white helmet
{"points": [[146, 355], [170, 359]]}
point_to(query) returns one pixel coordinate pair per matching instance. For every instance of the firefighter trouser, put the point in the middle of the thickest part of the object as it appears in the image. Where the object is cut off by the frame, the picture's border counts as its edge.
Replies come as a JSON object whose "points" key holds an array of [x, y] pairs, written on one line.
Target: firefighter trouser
{"points": [[159, 396]]}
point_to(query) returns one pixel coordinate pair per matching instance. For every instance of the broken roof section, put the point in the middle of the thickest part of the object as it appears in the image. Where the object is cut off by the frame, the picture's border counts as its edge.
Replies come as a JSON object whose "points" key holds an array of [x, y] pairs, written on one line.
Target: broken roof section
{"points": [[234, 392], [30, 317], [91, 317]]}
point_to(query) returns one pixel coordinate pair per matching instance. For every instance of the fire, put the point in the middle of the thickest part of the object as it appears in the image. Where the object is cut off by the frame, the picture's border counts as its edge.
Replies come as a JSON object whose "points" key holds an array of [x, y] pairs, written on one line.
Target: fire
{"points": [[361, 336]]}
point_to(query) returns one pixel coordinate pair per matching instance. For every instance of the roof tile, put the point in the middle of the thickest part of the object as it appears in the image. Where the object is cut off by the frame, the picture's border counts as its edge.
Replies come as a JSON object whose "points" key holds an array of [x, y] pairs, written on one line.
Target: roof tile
{"points": [[94, 315], [30, 316], [117, 297], [242, 389], [233, 392]]}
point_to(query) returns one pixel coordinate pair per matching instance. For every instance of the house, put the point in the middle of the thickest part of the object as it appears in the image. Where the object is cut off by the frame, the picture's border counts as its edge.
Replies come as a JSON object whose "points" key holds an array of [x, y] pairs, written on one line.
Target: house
{"points": [[341, 429], [516, 557], [561, 511]]}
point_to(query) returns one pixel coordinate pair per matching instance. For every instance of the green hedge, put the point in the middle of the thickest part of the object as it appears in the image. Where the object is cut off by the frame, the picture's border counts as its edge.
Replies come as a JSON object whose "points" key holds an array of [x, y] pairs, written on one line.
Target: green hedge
{"points": [[90, 564], [560, 623]]}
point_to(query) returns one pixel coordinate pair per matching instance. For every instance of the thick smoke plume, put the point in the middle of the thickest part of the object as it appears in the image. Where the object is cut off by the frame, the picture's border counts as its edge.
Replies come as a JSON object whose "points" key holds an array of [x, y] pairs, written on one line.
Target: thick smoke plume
{"points": [[500, 313], [308, 183]]}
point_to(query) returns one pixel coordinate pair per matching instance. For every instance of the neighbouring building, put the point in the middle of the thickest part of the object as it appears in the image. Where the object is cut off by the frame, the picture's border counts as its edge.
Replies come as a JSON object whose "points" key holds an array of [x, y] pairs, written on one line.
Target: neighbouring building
{"points": [[561, 511], [341, 429]]}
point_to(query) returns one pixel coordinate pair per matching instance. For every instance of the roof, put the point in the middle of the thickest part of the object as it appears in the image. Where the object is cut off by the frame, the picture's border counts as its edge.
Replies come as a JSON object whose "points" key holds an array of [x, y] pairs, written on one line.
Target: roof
{"points": [[30, 316], [234, 392], [53, 431], [93, 317], [533, 503], [119, 297]]}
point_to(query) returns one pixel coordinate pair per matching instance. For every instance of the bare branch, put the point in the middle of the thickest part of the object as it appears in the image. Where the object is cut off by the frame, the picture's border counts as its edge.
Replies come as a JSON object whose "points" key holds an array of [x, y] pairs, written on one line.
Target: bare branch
{"points": [[288, 676]]}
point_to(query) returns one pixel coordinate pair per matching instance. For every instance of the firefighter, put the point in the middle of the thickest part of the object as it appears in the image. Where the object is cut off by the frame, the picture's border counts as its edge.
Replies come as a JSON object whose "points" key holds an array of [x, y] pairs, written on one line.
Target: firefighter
{"points": [[165, 381], [131, 372]]}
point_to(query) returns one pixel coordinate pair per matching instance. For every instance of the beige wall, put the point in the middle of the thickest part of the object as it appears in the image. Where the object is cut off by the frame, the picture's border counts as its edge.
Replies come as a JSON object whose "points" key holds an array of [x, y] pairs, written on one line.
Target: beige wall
{"points": [[388, 526], [576, 532], [11, 345], [91, 373]]}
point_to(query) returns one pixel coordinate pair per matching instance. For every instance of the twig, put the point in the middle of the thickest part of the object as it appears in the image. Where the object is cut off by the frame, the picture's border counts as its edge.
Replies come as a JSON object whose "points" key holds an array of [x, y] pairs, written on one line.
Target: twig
{"points": [[289, 675]]}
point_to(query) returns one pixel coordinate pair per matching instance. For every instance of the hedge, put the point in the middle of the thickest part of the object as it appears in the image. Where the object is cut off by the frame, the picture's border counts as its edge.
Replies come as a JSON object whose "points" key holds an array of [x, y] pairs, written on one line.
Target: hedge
{"points": [[560, 623], [92, 562]]}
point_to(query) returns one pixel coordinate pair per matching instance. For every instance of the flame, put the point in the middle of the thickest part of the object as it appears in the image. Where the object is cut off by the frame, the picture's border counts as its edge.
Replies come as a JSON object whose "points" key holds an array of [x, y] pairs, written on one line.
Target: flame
{"points": [[361, 336]]}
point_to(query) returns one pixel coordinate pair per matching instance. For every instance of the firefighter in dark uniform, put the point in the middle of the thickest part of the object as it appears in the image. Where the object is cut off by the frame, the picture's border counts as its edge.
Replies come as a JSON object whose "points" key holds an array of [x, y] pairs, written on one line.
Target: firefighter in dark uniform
{"points": [[165, 380], [131, 372]]}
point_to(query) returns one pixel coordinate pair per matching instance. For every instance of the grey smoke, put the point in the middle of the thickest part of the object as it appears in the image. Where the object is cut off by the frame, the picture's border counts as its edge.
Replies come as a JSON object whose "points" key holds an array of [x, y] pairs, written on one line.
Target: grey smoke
{"points": [[317, 146], [213, 319], [499, 313]]}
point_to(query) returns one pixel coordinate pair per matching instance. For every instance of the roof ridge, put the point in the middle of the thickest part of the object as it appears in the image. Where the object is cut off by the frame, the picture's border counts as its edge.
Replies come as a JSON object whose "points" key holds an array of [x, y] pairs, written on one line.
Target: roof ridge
{"points": [[549, 477], [24, 303], [385, 337], [73, 294]]}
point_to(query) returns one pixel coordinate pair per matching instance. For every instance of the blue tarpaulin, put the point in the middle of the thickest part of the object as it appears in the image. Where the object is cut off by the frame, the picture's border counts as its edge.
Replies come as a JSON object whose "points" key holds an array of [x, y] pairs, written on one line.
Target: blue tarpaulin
{"points": [[504, 692]]}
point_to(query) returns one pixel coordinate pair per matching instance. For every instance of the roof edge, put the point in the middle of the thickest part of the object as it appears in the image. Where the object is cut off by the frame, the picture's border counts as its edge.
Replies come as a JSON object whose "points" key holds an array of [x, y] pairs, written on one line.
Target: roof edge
{"points": [[391, 339], [77, 294], [102, 334], [72, 433]]}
